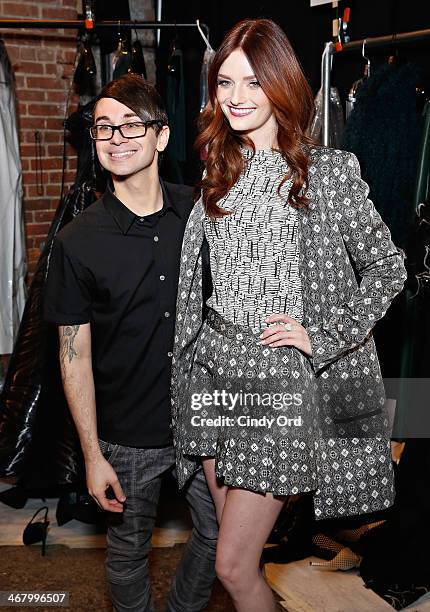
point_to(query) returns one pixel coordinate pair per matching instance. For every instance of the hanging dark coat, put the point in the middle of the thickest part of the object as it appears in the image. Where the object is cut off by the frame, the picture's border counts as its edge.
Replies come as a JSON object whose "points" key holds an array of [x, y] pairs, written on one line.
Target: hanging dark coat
{"points": [[383, 131], [341, 224], [38, 440]]}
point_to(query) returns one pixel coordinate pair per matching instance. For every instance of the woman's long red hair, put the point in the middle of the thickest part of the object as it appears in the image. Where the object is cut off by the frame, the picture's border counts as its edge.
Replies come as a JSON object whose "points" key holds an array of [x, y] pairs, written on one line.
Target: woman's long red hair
{"points": [[279, 73]]}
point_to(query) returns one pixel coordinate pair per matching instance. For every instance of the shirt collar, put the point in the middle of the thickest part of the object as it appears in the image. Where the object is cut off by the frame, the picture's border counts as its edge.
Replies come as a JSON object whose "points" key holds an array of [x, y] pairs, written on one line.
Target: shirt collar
{"points": [[169, 203], [124, 217]]}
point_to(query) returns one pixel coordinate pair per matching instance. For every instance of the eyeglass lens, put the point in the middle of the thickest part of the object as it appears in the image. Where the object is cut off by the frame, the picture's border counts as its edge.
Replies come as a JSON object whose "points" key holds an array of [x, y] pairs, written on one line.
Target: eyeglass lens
{"points": [[127, 130]]}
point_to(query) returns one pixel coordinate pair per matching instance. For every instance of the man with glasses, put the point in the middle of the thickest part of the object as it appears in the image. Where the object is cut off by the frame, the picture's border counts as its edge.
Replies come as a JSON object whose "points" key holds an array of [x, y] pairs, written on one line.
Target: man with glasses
{"points": [[112, 290]]}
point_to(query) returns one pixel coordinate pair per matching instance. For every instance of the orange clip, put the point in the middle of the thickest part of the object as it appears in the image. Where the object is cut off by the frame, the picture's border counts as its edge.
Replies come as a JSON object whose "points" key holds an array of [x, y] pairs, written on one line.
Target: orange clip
{"points": [[346, 14], [89, 24]]}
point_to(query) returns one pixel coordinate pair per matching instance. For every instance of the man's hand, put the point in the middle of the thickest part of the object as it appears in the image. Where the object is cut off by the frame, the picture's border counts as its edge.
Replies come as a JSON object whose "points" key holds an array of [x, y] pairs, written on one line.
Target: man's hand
{"points": [[101, 475]]}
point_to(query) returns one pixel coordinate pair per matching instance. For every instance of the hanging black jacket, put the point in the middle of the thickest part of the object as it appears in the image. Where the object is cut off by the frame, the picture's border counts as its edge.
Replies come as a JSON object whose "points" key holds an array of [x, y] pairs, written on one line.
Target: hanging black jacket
{"points": [[38, 440]]}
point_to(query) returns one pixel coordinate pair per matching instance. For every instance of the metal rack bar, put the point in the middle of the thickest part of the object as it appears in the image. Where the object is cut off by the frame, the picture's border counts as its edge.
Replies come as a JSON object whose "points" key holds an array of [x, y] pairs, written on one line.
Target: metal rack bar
{"points": [[326, 64], [158, 14], [380, 41], [80, 23], [327, 61]]}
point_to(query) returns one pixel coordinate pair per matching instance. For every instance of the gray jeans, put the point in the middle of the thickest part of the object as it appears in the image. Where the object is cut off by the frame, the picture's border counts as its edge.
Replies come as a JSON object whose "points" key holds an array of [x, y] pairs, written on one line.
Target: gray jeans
{"points": [[140, 471]]}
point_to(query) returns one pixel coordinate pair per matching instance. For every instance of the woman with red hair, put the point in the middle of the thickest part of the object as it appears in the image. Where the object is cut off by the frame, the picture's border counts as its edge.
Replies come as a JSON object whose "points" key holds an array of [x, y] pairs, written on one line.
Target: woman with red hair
{"points": [[276, 385]]}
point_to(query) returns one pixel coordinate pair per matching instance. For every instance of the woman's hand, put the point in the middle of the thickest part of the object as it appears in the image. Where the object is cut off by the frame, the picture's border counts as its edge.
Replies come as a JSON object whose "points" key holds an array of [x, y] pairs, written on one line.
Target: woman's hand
{"points": [[288, 332]]}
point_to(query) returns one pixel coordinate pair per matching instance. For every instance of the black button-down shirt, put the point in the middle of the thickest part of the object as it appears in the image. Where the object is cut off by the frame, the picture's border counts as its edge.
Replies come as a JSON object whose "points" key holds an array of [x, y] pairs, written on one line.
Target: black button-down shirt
{"points": [[119, 272]]}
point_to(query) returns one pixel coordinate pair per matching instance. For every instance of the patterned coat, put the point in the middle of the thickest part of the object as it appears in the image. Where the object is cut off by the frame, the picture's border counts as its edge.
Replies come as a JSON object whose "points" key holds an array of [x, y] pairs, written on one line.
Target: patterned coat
{"points": [[350, 272]]}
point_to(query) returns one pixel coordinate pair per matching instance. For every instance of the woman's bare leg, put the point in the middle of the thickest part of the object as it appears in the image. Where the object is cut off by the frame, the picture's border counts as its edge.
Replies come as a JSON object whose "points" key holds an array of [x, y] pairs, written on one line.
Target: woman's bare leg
{"points": [[246, 523], [218, 491]]}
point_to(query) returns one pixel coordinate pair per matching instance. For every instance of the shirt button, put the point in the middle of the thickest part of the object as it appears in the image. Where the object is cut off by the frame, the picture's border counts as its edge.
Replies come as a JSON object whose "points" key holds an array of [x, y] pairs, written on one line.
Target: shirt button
{"points": [[170, 354], [141, 219], [155, 238], [167, 314], [162, 277]]}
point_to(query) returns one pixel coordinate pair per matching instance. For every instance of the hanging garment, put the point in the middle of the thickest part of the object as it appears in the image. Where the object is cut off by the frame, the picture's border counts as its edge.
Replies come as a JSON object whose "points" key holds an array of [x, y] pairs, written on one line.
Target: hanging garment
{"points": [[415, 362], [422, 185], [13, 266], [416, 346], [383, 130], [144, 45], [137, 62], [336, 119], [352, 94], [121, 59], [84, 77], [38, 441], [204, 92], [176, 153]]}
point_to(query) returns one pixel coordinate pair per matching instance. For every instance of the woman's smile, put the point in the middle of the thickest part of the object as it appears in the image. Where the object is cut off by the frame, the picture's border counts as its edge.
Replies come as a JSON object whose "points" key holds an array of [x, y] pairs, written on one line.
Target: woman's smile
{"points": [[240, 112]]}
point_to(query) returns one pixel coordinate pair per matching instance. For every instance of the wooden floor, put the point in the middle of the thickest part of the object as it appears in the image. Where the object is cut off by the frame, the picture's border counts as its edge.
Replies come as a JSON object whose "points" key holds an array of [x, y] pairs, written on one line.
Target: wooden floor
{"points": [[303, 588], [309, 589]]}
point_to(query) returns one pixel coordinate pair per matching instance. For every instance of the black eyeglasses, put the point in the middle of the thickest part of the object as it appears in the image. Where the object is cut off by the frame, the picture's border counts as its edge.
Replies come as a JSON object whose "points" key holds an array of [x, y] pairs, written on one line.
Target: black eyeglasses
{"points": [[133, 129]]}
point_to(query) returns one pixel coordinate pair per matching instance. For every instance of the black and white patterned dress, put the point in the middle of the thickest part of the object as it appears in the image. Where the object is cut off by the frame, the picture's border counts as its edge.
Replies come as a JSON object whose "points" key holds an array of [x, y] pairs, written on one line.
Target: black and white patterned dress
{"points": [[254, 251], [341, 235], [263, 435]]}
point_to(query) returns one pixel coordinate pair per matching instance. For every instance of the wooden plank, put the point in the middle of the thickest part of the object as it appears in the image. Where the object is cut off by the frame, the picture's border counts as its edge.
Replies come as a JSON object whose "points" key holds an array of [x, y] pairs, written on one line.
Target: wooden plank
{"points": [[305, 589]]}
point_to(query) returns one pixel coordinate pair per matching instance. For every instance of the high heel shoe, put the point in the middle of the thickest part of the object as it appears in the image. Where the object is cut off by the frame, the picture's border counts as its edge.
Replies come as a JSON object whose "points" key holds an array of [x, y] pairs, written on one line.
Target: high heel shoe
{"points": [[37, 532], [344, 558], [353, 535]]}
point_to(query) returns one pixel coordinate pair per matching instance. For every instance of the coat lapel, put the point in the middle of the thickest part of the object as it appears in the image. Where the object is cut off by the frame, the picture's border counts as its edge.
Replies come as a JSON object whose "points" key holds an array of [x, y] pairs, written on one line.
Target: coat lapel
{"points": [[189, 319], [189, 300]]}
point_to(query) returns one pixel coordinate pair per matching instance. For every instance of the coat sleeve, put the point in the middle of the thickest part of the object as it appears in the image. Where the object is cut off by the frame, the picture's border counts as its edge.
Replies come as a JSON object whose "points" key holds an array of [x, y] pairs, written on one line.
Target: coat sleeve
{"points": [[378, 263]]}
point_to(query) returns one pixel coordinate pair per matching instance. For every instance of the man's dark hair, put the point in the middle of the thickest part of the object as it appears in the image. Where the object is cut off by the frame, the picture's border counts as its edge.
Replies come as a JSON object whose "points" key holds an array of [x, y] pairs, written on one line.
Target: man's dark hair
{"points": [[133, 91]]}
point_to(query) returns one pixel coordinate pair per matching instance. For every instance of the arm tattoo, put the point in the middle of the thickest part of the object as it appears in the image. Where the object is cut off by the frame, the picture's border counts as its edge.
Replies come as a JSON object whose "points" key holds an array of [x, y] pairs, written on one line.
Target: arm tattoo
{"points": [[66, 343]]}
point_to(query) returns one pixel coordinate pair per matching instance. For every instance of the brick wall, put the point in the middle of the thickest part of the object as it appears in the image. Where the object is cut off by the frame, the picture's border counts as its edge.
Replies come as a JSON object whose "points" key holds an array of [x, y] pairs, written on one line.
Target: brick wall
{"points": [[43, 64]]}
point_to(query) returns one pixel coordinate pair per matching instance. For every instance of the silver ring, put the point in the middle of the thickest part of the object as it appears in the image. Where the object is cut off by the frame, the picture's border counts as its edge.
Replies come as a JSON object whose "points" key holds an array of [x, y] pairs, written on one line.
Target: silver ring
{"points": [[288, 327]]}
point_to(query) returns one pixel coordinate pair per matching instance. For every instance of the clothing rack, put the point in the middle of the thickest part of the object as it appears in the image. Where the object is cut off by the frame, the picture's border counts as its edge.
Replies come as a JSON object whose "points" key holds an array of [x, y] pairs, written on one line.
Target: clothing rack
{"points": [[89, 24], [327, 61]]}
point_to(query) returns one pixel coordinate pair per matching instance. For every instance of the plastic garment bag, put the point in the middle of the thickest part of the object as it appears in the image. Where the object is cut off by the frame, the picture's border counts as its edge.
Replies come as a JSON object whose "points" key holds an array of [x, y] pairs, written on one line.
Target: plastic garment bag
{"points": [[12, 243], [204, 92], [352, 94], [422, 185], [204, 72], [336, 119]]}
